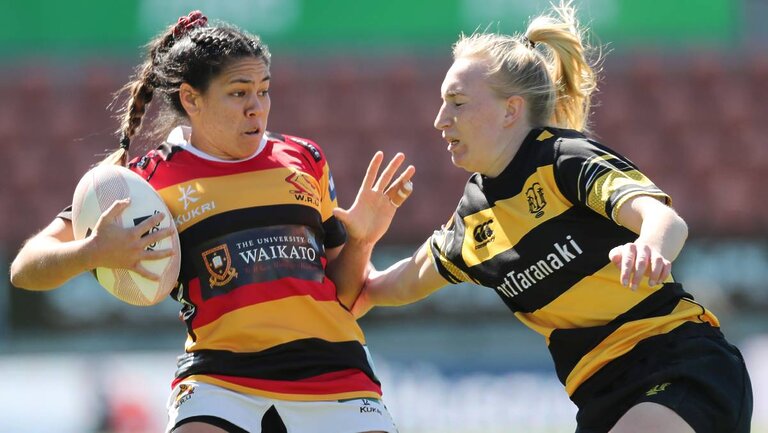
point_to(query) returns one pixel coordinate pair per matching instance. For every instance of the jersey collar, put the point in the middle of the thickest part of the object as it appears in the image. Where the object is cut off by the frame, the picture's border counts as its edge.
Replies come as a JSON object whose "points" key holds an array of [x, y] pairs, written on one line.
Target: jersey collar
{"points": [[180, 137]]}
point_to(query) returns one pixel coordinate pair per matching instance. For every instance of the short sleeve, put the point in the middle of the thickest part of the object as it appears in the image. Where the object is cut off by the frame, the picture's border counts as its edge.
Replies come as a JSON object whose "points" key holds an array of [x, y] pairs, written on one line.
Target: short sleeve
{"points": [[66, 213], [599, 178], [444, 249], [335, 233]]}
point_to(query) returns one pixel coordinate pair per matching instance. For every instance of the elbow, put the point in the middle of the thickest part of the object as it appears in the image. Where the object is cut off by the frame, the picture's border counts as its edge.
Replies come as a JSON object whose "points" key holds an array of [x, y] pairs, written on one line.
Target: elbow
{"points": [[684, 229], [21, 277], [681, 227], [17, 275]]}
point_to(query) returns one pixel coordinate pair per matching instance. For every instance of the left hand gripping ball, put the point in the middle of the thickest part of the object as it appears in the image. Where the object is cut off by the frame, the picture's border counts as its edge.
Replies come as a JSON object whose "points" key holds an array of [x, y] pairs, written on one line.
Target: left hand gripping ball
{"points": [[94, 194]]}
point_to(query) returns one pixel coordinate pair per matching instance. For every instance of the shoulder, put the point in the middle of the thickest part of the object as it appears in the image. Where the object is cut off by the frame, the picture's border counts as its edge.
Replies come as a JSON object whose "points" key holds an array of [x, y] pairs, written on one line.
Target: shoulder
{"points": [[145, 166], [571, 143], [304, 145]]}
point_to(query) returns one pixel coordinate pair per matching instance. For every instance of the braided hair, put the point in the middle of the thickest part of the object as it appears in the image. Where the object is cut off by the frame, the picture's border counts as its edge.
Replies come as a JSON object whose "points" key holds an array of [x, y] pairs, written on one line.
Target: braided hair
{"points": [[189, 51]]}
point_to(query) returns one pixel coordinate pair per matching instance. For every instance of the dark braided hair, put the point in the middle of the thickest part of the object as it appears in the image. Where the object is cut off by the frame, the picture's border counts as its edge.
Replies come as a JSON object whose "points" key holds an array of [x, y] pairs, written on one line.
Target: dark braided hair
{"points": [[187, 52]]}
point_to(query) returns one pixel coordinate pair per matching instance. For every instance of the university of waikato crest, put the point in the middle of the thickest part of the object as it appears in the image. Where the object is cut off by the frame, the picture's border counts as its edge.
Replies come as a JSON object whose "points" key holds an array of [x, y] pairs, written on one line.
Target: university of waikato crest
{"points": [[219, 265]]}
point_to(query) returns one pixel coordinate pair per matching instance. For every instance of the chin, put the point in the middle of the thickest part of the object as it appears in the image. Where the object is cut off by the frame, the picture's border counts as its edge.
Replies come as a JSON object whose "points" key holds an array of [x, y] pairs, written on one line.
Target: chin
{"points": [[458, 162]]}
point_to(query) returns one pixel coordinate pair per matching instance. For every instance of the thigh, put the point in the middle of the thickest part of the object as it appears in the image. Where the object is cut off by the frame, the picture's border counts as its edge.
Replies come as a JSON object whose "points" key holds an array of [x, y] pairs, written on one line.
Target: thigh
{"points": [[198, 427], [364, 415], [700, 379], [651, 418]]}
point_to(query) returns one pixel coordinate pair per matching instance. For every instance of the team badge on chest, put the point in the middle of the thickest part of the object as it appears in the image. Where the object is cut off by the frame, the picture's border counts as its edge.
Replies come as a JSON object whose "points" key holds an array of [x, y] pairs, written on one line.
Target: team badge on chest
{"points": [[219, 265], [536, 201]]}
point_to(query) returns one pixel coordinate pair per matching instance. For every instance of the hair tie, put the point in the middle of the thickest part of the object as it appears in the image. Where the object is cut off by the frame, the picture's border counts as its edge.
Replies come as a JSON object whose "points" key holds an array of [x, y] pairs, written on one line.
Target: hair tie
{"points": [[125, 142], [189, 22], [529, 43]]}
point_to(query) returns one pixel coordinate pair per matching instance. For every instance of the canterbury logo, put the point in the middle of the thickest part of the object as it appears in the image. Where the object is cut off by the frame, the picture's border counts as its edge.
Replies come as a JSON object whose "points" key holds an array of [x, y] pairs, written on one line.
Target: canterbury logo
{"points": [[535, 197], [483, 234], [657, 389]]}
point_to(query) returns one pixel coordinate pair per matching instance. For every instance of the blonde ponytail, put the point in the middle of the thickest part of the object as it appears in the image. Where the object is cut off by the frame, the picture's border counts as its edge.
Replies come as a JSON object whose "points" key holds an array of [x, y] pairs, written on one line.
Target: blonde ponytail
{"points": [[574, 78], [547, 66]]}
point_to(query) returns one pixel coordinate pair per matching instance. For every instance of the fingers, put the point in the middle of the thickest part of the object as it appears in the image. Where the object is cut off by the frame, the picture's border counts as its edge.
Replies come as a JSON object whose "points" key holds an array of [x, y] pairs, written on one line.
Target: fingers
{"points": [[615, 256], [156, 236], [145, 226], [389, 172], [627, 263], [402, 187], [638, 260], [141, 270], [157, 254], [341, 215], [641, 266], [665, 272], [659, 270], [373, 170], [117, 208]]}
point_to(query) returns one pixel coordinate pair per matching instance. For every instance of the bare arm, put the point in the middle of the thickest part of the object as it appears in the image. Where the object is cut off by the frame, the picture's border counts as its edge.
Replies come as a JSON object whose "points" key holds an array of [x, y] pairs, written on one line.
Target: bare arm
{"points": [[53, 256], [366, 222], [405, 282], [348, 267], [661, 236], [50, 258]]}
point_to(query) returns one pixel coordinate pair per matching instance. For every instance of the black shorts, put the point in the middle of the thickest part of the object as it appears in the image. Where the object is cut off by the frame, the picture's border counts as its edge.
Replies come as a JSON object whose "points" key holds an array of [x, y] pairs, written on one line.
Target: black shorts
{"points": [[692, 370]]}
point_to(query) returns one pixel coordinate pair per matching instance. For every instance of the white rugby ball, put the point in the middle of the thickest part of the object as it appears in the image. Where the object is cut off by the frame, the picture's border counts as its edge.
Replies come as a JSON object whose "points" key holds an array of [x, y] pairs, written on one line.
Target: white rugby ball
{"points": [[97, 190]]}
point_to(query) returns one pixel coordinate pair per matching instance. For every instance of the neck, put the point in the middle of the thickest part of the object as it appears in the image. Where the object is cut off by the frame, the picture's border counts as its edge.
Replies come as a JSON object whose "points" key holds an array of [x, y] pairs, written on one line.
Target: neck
{"points": [[514, 140]]}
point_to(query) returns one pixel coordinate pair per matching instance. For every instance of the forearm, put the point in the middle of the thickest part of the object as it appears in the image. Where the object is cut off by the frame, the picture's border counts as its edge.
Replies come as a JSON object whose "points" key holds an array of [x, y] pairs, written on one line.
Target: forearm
{"points": [[656, 224], [405, 282], [666, 232], [349, 270], [46, 263]]}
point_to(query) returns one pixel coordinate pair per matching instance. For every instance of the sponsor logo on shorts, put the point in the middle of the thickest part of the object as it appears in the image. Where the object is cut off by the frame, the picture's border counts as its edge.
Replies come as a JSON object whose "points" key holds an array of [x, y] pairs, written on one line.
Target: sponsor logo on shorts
{"points": [[657, 389], [367, 407], [185, 393]]}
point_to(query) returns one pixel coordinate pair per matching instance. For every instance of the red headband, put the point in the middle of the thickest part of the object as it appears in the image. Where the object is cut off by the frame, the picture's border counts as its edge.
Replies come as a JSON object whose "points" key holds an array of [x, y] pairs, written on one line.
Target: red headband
{"points": [[189, 22]]}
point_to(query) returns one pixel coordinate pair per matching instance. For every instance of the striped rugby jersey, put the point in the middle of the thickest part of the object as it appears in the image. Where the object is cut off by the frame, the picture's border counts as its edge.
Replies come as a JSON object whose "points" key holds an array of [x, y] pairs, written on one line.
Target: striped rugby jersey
{"points": [[539, 235], [261, 315]]}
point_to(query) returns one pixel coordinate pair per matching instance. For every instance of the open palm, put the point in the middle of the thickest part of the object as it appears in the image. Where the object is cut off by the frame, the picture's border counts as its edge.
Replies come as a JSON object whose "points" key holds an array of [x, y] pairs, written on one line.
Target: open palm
{"points": [[377, 200]]}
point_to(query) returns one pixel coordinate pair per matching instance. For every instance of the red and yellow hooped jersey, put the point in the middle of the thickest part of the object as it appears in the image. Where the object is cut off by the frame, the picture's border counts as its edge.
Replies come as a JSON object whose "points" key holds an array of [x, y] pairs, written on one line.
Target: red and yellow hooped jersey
{"points": [[539, 234], [261, 315]]}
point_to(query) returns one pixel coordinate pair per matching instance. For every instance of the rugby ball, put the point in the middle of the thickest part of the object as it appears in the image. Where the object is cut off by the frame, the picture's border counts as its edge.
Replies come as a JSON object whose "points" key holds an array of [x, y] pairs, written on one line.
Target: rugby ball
{"points": [[97, 190]]}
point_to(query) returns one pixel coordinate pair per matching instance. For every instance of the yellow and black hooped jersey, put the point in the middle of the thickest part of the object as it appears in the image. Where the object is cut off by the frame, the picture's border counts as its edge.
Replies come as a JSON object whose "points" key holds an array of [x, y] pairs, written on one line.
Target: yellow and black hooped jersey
{"points": [[261, 315], [539, 234]]}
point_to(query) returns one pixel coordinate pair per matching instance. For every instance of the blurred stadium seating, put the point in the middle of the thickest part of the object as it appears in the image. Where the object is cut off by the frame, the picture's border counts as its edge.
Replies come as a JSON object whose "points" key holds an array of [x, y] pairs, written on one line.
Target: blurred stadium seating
{"points": [[683, 96], [694, 124]]}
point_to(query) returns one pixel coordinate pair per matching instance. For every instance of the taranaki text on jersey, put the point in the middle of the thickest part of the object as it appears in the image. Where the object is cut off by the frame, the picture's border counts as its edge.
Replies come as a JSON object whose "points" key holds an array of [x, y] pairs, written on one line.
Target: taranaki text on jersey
{"points": [[539, 234]]}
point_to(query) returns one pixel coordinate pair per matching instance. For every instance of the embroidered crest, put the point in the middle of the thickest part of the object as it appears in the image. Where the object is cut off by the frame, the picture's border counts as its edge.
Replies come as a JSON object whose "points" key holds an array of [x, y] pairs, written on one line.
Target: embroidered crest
{"points": [[219, 265], [536, 201]]}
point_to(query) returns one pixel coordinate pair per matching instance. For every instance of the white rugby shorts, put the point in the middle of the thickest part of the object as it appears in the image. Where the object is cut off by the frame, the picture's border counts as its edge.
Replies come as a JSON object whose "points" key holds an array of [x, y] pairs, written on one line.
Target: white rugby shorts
{"points": [[192, 400]]}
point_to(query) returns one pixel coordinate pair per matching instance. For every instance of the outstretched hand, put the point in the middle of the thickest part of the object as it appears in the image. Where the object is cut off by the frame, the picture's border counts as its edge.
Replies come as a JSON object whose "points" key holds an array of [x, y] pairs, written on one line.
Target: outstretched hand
{"points": [[377, 200], [638, 259]]}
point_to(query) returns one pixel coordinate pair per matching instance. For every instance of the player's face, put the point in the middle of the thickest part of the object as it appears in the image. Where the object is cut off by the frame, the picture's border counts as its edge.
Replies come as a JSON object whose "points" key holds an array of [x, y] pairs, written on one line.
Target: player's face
{"points": [[233, 111], [472, 117]]}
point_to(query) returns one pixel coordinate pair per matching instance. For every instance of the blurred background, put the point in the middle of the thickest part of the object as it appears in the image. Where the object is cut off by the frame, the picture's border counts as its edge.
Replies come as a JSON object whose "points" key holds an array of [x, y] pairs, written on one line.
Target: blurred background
{"points": [[684, 96]]}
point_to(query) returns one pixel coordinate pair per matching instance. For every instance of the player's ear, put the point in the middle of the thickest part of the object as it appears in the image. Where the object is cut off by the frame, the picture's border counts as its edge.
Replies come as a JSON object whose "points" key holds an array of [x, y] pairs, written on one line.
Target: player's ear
{"points": [[190, 98], [514, 110]]}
